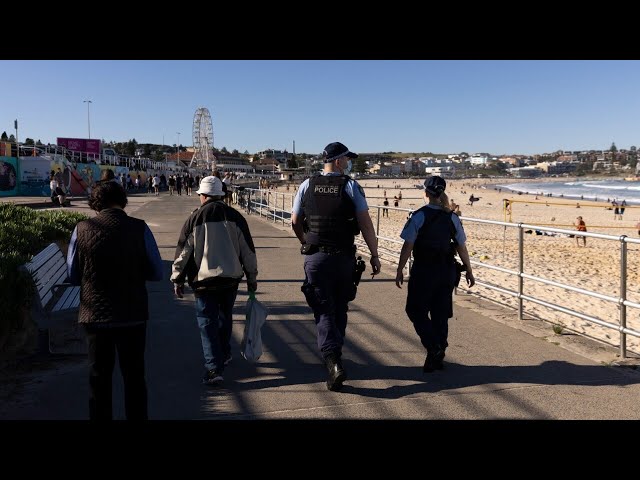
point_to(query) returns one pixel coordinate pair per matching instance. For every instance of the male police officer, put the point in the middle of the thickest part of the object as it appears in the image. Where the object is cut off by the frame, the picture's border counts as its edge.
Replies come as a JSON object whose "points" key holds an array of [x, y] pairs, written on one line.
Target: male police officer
{"points": [[433, 233], [334, 208]]}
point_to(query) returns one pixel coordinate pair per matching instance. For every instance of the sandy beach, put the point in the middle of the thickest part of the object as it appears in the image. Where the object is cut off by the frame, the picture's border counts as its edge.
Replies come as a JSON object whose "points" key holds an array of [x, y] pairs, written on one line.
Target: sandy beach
{"points": [[595, 267]]}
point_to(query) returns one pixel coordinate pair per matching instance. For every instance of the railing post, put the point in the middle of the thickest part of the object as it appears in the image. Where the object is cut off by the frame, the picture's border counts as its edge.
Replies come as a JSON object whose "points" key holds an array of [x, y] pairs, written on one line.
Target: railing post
{"points": [[623, 296], [520, 269], [282, 209], [378, 223]]}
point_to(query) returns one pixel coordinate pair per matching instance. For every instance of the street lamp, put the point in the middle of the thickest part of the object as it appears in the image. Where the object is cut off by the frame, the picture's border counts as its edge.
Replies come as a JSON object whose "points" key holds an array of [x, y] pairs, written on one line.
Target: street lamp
{"points": [[88, 118], [178, 147]]}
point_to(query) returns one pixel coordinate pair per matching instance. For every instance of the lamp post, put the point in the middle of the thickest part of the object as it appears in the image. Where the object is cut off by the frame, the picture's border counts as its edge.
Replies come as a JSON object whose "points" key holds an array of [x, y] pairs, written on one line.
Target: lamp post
{"points": [[178, 147], [88, 102]]}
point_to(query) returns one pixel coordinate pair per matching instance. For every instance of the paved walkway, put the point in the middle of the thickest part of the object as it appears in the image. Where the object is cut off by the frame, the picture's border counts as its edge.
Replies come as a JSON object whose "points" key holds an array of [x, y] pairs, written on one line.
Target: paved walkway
{"points": [[493, 371]]}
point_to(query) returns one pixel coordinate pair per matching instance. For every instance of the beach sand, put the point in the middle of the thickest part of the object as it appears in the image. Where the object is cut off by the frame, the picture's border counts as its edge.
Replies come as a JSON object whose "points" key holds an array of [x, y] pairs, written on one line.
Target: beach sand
{"points": [[595, 267]]}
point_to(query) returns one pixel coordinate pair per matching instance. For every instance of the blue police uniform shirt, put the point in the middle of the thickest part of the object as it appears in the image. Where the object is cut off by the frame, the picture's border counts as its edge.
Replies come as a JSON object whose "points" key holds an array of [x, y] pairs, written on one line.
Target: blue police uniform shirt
{"points": [[413, 225], [352, 188]]}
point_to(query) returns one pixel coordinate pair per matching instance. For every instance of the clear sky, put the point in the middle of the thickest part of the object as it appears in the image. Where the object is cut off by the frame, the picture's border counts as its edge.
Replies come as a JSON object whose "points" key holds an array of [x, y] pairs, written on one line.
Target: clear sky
{"points": [[499, 107]]}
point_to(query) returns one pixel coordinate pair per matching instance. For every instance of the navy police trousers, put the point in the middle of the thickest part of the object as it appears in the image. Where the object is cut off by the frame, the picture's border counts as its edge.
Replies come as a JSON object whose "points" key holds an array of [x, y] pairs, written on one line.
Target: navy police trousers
{"points": [[429, 302], [327, 285]]}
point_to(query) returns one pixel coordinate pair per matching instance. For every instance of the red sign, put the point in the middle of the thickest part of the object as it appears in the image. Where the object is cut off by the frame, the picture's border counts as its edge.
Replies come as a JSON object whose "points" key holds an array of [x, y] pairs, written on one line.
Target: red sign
{"points": [[86, 145]]}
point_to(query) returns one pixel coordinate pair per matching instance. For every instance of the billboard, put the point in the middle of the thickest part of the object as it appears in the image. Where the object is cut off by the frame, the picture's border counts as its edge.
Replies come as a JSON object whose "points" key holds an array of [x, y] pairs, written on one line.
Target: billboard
{"points": [[8, 176], [87, 145]]}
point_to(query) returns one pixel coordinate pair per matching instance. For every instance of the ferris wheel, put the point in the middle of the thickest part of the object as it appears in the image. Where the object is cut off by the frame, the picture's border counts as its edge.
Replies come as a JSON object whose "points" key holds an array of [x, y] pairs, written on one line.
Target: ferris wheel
{"points": [[202, 140]]}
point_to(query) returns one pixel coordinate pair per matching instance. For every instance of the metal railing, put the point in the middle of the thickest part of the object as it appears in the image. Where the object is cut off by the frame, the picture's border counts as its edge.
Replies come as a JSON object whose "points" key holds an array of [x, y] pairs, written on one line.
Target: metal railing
{"points": [[277, 207]]}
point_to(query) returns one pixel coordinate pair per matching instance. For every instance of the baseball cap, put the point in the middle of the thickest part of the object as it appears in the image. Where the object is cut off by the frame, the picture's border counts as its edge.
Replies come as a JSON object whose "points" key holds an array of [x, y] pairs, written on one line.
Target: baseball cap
{"points": [[336, 150], [210, 186], [435, 185]]}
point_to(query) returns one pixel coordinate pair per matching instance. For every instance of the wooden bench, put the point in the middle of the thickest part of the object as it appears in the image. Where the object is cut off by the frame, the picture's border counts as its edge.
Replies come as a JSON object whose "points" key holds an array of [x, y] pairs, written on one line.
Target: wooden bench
{"points": [[55, 302]]}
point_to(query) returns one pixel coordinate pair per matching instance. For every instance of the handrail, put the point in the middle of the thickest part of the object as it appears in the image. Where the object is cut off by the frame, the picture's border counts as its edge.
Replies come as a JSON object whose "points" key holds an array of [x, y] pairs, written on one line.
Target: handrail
{"points": [[276, 212]]}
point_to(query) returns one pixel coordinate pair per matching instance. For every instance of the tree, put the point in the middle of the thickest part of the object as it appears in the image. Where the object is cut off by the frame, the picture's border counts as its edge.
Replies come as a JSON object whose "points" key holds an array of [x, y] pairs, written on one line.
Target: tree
{"points": [[4, 137], [632, 148], [246, 152], [28, 141], [12, 138], [235, 152], [360, 165], [224, 150], [613, 148], [39, 142], [292, 162]]}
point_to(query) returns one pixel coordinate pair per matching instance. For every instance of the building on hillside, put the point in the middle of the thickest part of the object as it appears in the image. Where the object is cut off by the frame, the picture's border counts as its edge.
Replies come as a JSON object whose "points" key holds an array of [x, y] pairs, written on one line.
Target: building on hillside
{"points": [[554, 168], [281, 156], [525, 172]]}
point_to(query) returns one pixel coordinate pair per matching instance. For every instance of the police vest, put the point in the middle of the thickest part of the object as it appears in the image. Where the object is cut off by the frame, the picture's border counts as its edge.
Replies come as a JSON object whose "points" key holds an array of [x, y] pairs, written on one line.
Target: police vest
{"points": [[436, 237], [330, 212]]}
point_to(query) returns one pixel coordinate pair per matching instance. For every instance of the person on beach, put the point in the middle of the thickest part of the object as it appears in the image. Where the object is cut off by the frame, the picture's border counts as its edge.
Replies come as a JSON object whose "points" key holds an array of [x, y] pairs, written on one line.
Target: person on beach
{"points": [[434, 234], [581, 227]]}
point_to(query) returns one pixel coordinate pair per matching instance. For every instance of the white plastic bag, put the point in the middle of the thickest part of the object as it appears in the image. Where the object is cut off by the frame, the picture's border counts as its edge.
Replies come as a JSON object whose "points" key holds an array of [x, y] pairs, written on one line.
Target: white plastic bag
{"points": [[251, 345]]}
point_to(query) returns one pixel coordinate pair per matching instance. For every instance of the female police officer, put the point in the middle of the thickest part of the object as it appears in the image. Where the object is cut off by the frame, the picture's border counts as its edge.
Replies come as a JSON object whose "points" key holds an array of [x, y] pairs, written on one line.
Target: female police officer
{"points": [[334, 208], [433, 233]]}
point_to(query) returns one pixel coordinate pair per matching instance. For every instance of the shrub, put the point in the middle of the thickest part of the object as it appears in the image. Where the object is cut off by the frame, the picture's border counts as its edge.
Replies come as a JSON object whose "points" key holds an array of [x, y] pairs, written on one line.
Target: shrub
{"points": [[24, 233]]}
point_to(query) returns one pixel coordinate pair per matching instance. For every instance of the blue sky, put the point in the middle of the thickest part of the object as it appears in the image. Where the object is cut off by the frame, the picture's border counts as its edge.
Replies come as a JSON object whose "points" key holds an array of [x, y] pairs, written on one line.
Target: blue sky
{"points": [[500, 107]]}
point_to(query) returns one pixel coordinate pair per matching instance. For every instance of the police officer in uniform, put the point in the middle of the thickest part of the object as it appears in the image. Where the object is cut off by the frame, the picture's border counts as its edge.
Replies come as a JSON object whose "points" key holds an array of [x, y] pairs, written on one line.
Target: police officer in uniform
{"points": [[328, 211], [434, 234]]}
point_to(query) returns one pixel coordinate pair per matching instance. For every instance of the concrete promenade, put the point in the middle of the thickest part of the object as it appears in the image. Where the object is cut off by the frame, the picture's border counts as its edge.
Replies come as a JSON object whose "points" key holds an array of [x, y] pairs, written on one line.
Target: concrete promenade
{"points": [[492, 370]]}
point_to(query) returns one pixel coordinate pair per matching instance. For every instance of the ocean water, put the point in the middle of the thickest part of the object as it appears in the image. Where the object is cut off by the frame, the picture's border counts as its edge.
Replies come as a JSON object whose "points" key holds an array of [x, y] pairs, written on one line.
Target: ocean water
{"points": [[600, 190]]}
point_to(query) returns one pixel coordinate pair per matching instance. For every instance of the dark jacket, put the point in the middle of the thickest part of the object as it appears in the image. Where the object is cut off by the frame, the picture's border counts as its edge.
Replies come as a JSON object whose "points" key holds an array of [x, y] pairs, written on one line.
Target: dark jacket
{"points": [[104, 243]]}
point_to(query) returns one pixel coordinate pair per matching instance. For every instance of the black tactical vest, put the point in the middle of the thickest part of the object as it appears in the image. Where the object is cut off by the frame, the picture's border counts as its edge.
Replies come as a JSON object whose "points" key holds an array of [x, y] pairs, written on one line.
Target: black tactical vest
{"points": [[436, 238], [113, 266], [330, 212]]}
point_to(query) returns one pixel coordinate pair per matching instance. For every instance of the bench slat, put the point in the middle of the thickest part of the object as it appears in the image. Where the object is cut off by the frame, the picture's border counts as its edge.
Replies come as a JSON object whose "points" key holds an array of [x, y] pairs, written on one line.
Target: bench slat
{"points": [[59, 304], [75, 300], [48, 269], [56, 273], [74, 296], [40, 269], [42, 257], [57, 279]]}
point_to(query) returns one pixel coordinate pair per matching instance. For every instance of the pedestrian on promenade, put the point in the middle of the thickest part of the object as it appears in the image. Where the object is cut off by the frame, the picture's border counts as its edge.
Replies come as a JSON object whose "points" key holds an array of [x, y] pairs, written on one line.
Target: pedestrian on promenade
{"points": [[581, 227], [114, 315], [434, 234], [385, 211], [214, 249], [328, 210]]}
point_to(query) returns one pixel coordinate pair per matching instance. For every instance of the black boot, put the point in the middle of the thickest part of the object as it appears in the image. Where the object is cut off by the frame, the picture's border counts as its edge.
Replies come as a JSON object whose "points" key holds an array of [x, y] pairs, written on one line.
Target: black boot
{"points": [[435, 356], [337, 375]]}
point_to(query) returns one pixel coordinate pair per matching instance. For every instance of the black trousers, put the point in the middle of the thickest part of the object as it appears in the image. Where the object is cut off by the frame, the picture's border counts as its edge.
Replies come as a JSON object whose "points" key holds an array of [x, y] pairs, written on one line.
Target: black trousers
{"points": [[129, 342]]}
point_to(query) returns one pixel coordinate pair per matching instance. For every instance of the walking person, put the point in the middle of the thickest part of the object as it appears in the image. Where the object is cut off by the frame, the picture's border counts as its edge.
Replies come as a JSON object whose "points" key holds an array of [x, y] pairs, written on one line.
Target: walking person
{"points": [[581, 227], [215, 248], [114, 316], [434, 234], [334, 208], [385, 211]]}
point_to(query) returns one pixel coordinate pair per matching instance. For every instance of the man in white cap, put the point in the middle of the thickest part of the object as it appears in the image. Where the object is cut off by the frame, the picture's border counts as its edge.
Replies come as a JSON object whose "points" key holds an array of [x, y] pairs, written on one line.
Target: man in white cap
{"points": [[215, 249]]}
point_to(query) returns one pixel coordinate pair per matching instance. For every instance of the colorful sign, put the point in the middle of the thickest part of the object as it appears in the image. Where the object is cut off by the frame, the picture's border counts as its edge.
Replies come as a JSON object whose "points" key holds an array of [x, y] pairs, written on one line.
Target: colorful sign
{"points": [[34, 176], [8, 176]]}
